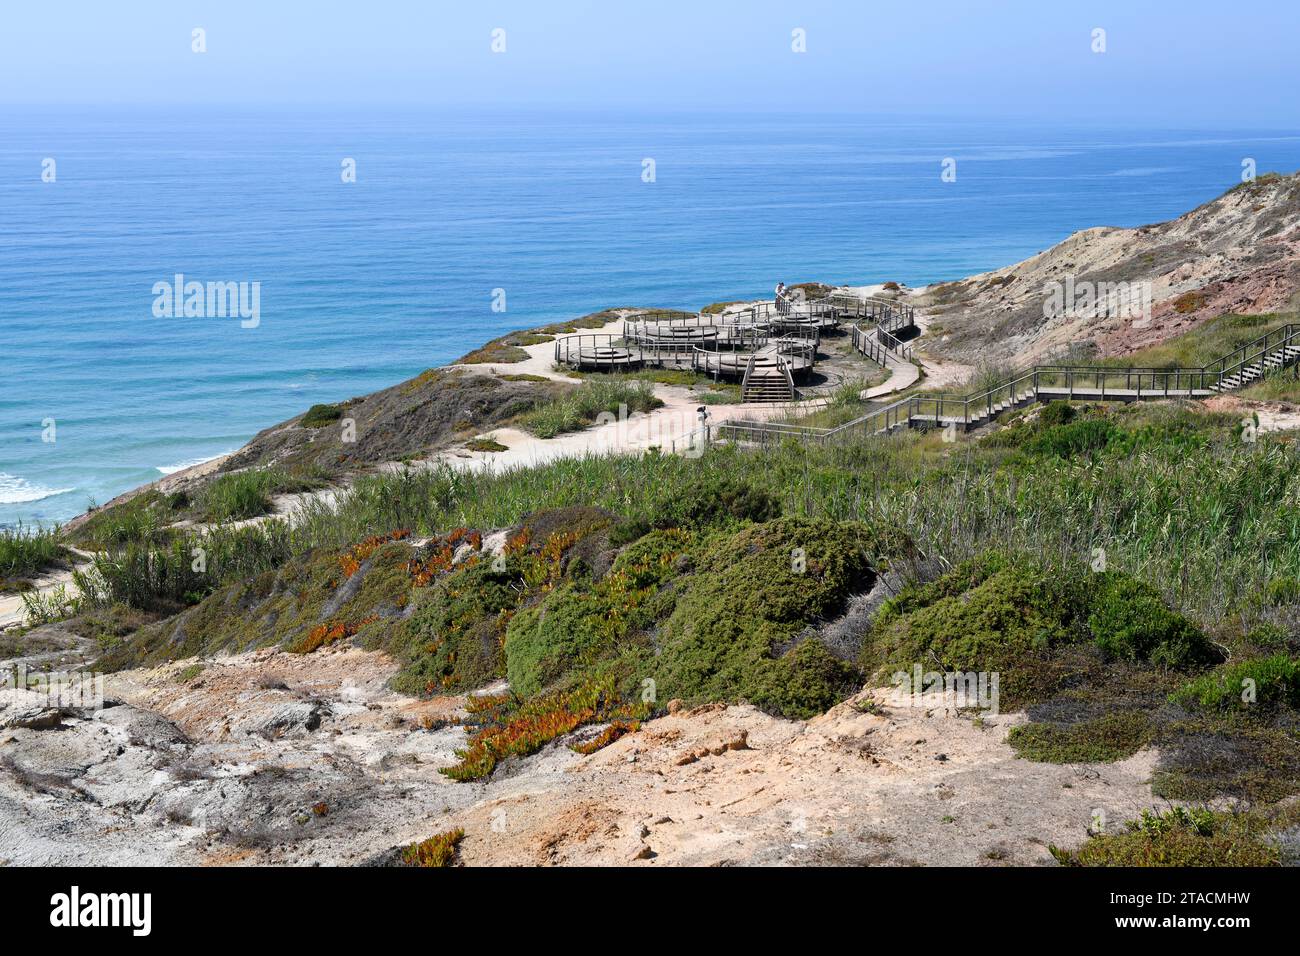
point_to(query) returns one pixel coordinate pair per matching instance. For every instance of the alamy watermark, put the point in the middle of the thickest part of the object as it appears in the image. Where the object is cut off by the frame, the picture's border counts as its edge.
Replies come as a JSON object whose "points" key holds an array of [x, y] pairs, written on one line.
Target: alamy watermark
{"points": [[82, 690], [1084, 299], [952, 691], [191, 299]]}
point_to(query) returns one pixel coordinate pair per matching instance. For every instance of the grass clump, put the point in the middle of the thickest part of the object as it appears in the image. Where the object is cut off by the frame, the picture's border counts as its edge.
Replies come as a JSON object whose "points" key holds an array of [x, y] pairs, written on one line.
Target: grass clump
{"points": [[25, 552], [1072, 438], [1177, 837], [142, 519], [485, 444], [247, 494], [186, 674], [439, 850], [584, 405], [318, 416]]}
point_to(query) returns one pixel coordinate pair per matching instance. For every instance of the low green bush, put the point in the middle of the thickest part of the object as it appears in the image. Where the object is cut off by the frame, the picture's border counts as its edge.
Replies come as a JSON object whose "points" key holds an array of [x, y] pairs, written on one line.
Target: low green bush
{"points": [[581, 624], [1129, 621], [1056, 412], [318, 416], [453, 639], [1079, 437], [1248, 686], [990, 614], [751, 594]]}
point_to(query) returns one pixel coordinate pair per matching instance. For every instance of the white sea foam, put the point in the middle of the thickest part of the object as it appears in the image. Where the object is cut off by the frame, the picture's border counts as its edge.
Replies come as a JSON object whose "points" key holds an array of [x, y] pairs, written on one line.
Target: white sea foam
{"points": [[17, 491], [182, 465]]}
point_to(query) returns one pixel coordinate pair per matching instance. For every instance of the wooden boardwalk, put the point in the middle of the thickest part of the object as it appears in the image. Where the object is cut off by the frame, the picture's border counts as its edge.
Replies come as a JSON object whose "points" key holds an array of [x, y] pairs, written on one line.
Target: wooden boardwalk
{"points": [[764, 348], [1243, 366]]}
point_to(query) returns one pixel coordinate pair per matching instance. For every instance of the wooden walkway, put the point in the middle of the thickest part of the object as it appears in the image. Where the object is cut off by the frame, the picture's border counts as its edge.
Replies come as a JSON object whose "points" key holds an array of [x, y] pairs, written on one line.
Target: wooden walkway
{"points": [[1241, 367]]}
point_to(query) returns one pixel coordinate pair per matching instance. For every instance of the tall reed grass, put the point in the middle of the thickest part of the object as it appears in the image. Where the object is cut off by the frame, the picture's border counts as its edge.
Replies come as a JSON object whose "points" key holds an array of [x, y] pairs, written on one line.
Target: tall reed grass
{"points": [[1212, 527], [25, 551], [576, 409]]}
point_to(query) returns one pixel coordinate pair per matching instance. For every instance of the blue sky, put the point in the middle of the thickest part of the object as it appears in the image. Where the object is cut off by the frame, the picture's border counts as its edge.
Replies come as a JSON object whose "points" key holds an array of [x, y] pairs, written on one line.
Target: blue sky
{"points": [[1187, 63]]}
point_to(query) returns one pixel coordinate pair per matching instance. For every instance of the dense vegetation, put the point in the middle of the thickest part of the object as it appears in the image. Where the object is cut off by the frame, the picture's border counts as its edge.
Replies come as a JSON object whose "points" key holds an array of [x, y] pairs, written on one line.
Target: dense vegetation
{"points": [[27, 551]]}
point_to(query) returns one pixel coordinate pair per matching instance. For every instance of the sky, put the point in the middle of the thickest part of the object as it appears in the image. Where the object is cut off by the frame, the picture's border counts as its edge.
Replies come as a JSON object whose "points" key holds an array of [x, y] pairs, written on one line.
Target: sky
{"points": [[1172, 63]]}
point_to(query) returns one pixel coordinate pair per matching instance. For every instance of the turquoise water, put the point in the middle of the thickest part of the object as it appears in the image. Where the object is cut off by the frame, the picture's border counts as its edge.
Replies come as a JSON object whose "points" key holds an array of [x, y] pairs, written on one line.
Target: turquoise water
{"points": [[363, 284]]}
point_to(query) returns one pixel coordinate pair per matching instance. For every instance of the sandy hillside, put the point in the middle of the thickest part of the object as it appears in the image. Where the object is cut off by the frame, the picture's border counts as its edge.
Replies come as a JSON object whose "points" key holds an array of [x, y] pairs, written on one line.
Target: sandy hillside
{"points": [[1239, 253]]}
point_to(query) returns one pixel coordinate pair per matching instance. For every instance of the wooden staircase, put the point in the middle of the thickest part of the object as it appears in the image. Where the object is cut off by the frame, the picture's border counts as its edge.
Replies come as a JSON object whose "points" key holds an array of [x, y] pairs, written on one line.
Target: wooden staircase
{"points": [[1247, 374], [767, 379]]}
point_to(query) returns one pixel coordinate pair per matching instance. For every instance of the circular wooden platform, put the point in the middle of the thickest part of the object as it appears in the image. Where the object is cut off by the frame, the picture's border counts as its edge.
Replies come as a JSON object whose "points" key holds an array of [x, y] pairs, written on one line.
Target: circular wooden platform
{"points": [[599, 357]]}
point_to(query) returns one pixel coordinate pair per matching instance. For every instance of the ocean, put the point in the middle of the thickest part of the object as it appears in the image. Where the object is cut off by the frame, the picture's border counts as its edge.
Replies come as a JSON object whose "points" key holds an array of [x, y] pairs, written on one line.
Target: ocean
{"points": [[362, 284]]}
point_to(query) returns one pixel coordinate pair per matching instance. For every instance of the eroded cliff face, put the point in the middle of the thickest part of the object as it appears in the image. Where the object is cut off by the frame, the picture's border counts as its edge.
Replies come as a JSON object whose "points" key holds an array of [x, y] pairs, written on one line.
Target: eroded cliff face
{"points": [[1111, 291]]}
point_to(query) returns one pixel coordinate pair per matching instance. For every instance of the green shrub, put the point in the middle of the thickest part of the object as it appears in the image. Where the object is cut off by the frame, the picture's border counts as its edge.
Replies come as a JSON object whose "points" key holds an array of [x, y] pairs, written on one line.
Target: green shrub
{"points": [[1056, 412], [1130, 621], [581, 624], [989, 614], [806, 681], [453, 639], [1274, 680], [751, 594], [318, 416], [1081, 437], [969, 574], [485, 444]]}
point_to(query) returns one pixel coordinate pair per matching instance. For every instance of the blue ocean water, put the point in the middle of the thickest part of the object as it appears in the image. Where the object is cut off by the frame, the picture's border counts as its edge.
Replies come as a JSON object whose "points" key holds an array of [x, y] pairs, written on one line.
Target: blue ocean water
{"points": [[366, 283]]}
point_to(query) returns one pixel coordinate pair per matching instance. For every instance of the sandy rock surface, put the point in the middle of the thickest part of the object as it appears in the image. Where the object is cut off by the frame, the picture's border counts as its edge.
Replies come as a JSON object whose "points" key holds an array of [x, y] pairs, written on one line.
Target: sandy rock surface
{"points": [[269, 757]]}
